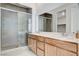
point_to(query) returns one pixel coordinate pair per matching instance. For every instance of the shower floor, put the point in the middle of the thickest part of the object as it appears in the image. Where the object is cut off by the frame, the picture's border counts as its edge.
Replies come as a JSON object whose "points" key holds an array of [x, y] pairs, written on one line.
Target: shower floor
{"points": [[20, 51]]}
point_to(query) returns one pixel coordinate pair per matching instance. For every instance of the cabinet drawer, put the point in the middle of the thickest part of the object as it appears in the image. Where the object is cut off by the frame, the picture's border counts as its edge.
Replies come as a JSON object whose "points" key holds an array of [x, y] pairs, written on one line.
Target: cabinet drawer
{"points": [[40, 52], [40, 45], [41, 38], [62, 44], [32, 44], [33, 36]]}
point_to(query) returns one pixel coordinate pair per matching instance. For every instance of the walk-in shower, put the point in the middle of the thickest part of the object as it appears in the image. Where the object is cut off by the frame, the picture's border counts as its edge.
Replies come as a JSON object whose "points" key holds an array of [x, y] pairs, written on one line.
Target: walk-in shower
{"points": [[15, 26]]}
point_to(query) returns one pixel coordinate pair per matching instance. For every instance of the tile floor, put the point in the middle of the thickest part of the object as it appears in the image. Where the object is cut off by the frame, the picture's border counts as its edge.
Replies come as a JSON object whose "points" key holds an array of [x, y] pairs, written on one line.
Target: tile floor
{"points": [[20, 51]]}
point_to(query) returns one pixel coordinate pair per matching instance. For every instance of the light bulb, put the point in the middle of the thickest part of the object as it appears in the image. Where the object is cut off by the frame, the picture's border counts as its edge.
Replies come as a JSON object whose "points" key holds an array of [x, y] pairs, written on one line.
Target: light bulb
{"points": [[63, 13]]}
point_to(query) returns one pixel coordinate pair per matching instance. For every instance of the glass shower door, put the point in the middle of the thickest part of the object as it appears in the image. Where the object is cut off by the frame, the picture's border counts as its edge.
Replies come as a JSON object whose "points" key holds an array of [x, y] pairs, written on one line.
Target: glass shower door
{"points": [[22, 28], [8, 29], [0, 31]]}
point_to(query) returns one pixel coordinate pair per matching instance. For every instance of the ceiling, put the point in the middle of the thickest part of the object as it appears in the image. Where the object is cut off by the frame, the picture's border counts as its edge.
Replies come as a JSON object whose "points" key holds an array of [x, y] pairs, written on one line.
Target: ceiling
{"points": [[46, 7], [42, 7]]}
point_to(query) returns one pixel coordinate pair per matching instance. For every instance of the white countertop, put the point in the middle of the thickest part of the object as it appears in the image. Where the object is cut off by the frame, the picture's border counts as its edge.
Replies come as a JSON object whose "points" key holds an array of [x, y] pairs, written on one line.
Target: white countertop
{"points": [[57, 36]]}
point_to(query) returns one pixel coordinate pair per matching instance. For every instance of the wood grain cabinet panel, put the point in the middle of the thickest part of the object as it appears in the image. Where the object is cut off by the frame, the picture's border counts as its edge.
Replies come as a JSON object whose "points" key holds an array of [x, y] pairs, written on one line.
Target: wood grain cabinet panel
{"points": [[78, 49], [40, 52], [52, 47], [50, 50], [32, 44], [41, 38], [40, 45], [62, 52], [62, 44], [34, 37]]}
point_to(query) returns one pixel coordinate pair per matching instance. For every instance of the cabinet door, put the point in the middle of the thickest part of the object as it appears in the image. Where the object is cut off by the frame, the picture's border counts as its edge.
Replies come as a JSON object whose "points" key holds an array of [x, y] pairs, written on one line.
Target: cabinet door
{"points": [[40, 45], [62, 52], [50, 50], [40, 52], [78, 49], [32, 44]]}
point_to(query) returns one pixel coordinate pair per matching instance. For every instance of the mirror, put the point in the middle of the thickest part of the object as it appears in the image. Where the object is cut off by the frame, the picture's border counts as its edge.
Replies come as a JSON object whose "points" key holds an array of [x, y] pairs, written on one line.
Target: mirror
{"points": [[63, 19], [45, 22]]}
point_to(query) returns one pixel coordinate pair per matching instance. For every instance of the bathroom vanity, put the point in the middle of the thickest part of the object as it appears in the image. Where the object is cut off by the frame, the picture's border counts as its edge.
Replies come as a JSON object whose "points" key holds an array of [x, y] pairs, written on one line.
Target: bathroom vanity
{"points": [[52, 44]]}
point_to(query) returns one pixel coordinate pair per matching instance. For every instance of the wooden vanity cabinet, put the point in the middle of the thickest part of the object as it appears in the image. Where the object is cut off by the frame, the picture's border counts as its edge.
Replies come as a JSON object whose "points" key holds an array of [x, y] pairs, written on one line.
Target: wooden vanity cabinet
{"points": [[40, 52], [36, 44], [63, 52], [60, 48], [41, 46], [32, 44], [62, 44], [50, 50], [78, 49]]}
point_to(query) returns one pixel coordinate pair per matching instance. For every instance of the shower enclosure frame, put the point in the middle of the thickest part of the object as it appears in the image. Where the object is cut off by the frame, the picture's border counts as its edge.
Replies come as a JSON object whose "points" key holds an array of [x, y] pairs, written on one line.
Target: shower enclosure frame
{"points": [[17, 20]]}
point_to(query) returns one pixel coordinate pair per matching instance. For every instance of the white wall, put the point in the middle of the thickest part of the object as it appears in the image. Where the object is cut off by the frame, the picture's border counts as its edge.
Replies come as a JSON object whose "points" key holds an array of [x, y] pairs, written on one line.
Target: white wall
{"points": [[75, 19], [78, 18]]}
